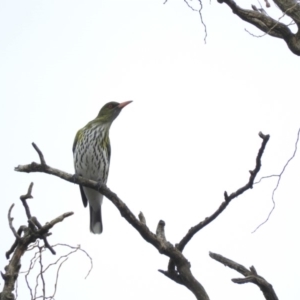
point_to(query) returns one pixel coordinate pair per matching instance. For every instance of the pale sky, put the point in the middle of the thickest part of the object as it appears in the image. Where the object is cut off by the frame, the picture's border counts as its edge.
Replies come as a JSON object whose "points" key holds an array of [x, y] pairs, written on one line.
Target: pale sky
{"points": [[190, 134]]}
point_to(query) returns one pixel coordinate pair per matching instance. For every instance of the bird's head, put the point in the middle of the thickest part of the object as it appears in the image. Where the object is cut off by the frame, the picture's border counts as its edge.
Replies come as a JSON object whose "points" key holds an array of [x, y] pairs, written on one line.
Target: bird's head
{"points": [[111, 110]]}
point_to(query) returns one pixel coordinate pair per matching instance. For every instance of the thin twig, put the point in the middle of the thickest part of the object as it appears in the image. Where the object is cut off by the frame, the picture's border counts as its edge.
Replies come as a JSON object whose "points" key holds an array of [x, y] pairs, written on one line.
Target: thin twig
{"points": [[200, 15], [42, 273], [279, 176], [57, 274], [82, 250]]}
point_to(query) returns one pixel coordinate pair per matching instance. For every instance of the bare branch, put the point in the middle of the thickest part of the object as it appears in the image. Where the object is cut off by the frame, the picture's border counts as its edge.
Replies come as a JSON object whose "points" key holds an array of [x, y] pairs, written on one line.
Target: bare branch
{"points": [[250, 276], [49, 225], [30, 235], [200, 14], [278, 181], [270, 26], [25, 197], [193, 230], [282, 16], [183, 274], [228, 199], [290, 8], [10, 220], [78, 248], [38, 257], [41, 273], [164, 247]]}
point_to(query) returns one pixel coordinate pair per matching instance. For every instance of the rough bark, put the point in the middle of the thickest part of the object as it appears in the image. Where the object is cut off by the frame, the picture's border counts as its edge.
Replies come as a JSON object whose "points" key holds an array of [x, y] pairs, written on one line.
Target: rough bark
{"points": [[271, 26]]}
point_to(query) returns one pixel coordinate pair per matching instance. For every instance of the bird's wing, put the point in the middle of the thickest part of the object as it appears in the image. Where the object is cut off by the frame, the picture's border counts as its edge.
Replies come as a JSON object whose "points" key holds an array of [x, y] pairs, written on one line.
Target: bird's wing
{"points": [[83, 196], [77, 138], [108, 150]]}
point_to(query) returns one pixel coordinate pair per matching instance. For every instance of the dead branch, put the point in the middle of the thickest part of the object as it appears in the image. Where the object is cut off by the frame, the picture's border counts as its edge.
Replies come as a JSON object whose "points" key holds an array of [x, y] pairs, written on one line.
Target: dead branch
{"points": [[250, 276], [249, 185], [182, 274], [269, 25], [39, 279], [199, 12], [25, 236], [24, 202], [279, 176], [163, 246], [228, 199]]}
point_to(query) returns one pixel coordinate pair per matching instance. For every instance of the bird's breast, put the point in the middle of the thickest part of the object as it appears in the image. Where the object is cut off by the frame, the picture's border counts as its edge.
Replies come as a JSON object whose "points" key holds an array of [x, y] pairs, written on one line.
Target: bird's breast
{"points": [[91, 155]]}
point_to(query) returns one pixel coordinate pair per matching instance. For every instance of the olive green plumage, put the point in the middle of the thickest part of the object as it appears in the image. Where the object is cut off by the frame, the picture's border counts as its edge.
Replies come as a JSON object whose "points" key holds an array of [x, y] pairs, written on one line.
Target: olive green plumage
{"points": [[92, 151]]}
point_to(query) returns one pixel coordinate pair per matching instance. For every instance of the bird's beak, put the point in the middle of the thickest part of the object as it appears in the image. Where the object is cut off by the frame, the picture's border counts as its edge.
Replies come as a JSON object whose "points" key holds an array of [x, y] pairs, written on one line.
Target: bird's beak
{"points": [[123, 104]]}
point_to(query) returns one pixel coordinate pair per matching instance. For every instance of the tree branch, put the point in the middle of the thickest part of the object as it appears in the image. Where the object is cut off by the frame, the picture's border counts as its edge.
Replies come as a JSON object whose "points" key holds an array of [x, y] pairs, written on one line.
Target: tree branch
{"points": [[269, 25], [250, 276], [24, 237], [290, 8], [279, 177], [182, 274], [228, 199], [249, 185], [158, 241]]}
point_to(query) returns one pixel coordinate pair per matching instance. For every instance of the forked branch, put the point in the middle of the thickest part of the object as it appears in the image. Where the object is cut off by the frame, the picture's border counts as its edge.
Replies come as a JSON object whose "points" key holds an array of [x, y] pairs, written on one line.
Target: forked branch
{"points": [[182, 273], [271, 26], [25, 236], [228, 198], [249, 276]]}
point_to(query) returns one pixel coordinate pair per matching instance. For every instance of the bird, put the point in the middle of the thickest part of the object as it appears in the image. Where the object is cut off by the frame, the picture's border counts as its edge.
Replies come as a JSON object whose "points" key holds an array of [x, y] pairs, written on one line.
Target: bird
{"points": [[91, 153]]}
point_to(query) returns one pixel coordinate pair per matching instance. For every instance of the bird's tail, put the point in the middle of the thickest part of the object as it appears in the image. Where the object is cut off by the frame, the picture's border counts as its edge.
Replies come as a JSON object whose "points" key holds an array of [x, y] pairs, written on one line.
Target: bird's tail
{"points": [[96, 226]]}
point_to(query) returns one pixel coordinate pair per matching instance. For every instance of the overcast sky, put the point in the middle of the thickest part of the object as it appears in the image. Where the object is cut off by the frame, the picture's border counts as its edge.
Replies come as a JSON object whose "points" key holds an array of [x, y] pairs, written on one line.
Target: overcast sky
{"points": [[190, 134]]}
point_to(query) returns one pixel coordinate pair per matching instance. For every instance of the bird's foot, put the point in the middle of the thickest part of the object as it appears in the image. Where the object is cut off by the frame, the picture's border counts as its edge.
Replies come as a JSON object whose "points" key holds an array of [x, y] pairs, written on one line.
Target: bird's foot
{"points": [[99, 185], [75, 177]]}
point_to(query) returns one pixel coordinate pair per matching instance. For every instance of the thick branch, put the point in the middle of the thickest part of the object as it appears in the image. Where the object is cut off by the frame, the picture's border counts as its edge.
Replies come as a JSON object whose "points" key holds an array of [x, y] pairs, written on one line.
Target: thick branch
{"points": [[157, 240], [268, 25], [250, 276]]}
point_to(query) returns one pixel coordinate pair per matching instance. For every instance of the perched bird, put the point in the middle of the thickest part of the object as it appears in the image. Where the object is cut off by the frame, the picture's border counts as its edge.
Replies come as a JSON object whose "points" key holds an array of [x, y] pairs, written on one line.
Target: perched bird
{"points": [[91, 151]]}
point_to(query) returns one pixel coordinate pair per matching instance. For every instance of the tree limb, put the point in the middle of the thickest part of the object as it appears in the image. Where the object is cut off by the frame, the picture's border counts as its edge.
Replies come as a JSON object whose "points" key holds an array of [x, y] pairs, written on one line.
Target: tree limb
{"points": [[24, 237], [158, 241], [250, 276], [249, 185], [269, 25], [279, 177], [182, 274], [290, 8]]}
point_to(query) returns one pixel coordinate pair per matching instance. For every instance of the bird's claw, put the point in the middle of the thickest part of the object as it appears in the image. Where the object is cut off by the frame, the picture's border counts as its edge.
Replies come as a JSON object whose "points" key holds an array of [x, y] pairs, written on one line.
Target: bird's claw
{"points": [[99, 185], [75, 177]]}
